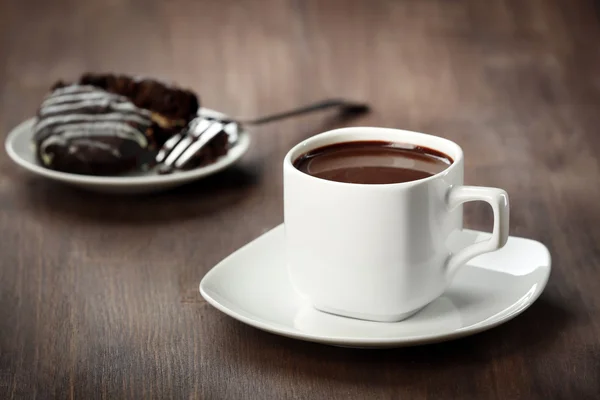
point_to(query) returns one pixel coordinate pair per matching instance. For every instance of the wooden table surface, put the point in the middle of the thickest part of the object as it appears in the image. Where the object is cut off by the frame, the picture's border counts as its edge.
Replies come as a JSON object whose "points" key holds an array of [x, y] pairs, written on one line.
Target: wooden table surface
{"points": [[99, 294]]}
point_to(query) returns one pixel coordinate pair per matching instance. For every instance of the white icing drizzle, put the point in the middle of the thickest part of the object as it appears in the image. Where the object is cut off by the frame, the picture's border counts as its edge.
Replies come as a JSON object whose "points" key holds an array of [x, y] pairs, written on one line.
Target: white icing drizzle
{"points": [[69, 119], [65, 115], [74, 132], [100, 102], [72, 89], [95, 129], [77, 97]]}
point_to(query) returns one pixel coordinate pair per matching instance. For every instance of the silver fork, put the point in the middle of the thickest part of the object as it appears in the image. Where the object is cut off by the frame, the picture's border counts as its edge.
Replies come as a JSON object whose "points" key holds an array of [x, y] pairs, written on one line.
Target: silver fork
{"points": [[182, 147]]}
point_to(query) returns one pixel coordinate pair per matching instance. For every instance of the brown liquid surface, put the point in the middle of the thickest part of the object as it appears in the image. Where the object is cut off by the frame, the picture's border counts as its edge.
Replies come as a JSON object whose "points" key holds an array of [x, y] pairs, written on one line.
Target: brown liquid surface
{"points": [[372, 162]]}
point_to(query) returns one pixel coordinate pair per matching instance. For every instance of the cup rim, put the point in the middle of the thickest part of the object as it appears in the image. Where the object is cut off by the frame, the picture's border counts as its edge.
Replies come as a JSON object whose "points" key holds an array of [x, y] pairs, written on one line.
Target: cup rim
{"points": [[374, 133]]}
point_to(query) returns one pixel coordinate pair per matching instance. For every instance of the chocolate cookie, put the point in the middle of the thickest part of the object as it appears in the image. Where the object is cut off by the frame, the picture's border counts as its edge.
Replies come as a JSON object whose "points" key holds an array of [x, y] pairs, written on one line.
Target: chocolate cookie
{"points": [[86, 130]]}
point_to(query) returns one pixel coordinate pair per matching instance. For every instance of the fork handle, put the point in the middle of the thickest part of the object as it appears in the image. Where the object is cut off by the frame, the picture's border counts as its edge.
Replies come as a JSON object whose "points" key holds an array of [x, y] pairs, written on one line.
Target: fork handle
{"points": [[347, 108]]}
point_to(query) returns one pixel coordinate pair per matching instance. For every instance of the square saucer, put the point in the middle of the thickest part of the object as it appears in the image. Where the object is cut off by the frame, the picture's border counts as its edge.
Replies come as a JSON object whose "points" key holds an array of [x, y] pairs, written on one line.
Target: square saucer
{"points": [[252, 286]]}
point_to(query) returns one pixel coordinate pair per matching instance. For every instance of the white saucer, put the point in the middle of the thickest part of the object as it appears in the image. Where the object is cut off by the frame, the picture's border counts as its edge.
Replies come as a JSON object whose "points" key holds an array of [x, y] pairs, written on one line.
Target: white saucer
{"points": [[18, 146], [252, 286]]}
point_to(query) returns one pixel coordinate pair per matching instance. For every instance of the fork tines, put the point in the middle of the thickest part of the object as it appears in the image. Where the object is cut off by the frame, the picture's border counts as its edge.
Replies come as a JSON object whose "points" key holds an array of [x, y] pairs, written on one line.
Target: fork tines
{"points": [[182, 147]]}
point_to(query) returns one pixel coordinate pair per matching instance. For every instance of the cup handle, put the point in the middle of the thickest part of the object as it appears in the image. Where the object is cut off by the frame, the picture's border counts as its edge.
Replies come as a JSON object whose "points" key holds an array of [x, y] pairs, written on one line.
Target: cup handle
{"points": [[498, 199]]}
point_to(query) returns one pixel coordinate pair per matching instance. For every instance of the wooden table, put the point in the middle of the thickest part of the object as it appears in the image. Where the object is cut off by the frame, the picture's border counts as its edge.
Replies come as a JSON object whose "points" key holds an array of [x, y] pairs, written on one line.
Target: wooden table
{"points": [[99, 295]]}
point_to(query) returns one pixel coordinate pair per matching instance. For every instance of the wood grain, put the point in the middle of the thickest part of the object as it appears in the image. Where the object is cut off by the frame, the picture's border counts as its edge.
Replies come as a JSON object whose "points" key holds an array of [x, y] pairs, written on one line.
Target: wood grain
{"points": [[98, 294]]}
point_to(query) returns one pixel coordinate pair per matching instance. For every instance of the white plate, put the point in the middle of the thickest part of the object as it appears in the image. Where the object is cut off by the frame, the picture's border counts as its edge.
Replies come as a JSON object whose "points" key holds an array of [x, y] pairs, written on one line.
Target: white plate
{"points": [[19, 148], [252, 286]]}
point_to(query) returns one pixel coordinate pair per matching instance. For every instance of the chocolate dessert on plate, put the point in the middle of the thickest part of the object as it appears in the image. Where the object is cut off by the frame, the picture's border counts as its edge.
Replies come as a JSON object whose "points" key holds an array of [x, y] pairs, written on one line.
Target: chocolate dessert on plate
{"points": [[109, 124]]}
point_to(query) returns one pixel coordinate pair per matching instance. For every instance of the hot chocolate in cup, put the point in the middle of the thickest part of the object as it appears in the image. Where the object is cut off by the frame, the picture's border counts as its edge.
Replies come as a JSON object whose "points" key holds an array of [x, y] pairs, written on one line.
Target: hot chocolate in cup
{"points": [[370, 214]]}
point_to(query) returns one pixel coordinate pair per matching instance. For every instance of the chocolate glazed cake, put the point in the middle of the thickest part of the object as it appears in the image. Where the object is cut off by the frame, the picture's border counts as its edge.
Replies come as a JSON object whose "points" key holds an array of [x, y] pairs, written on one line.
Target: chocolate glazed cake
{"points": [[108, 125], [85, 130]]}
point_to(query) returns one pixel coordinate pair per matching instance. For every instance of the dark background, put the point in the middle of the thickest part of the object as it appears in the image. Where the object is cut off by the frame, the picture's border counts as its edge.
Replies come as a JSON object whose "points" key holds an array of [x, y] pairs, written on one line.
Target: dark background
{"points": [[98, 294]]}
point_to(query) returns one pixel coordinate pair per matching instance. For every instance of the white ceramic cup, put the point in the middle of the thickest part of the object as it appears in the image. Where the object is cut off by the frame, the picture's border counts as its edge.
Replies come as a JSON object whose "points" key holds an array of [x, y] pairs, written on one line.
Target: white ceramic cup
{"points": [[380, 252]]}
